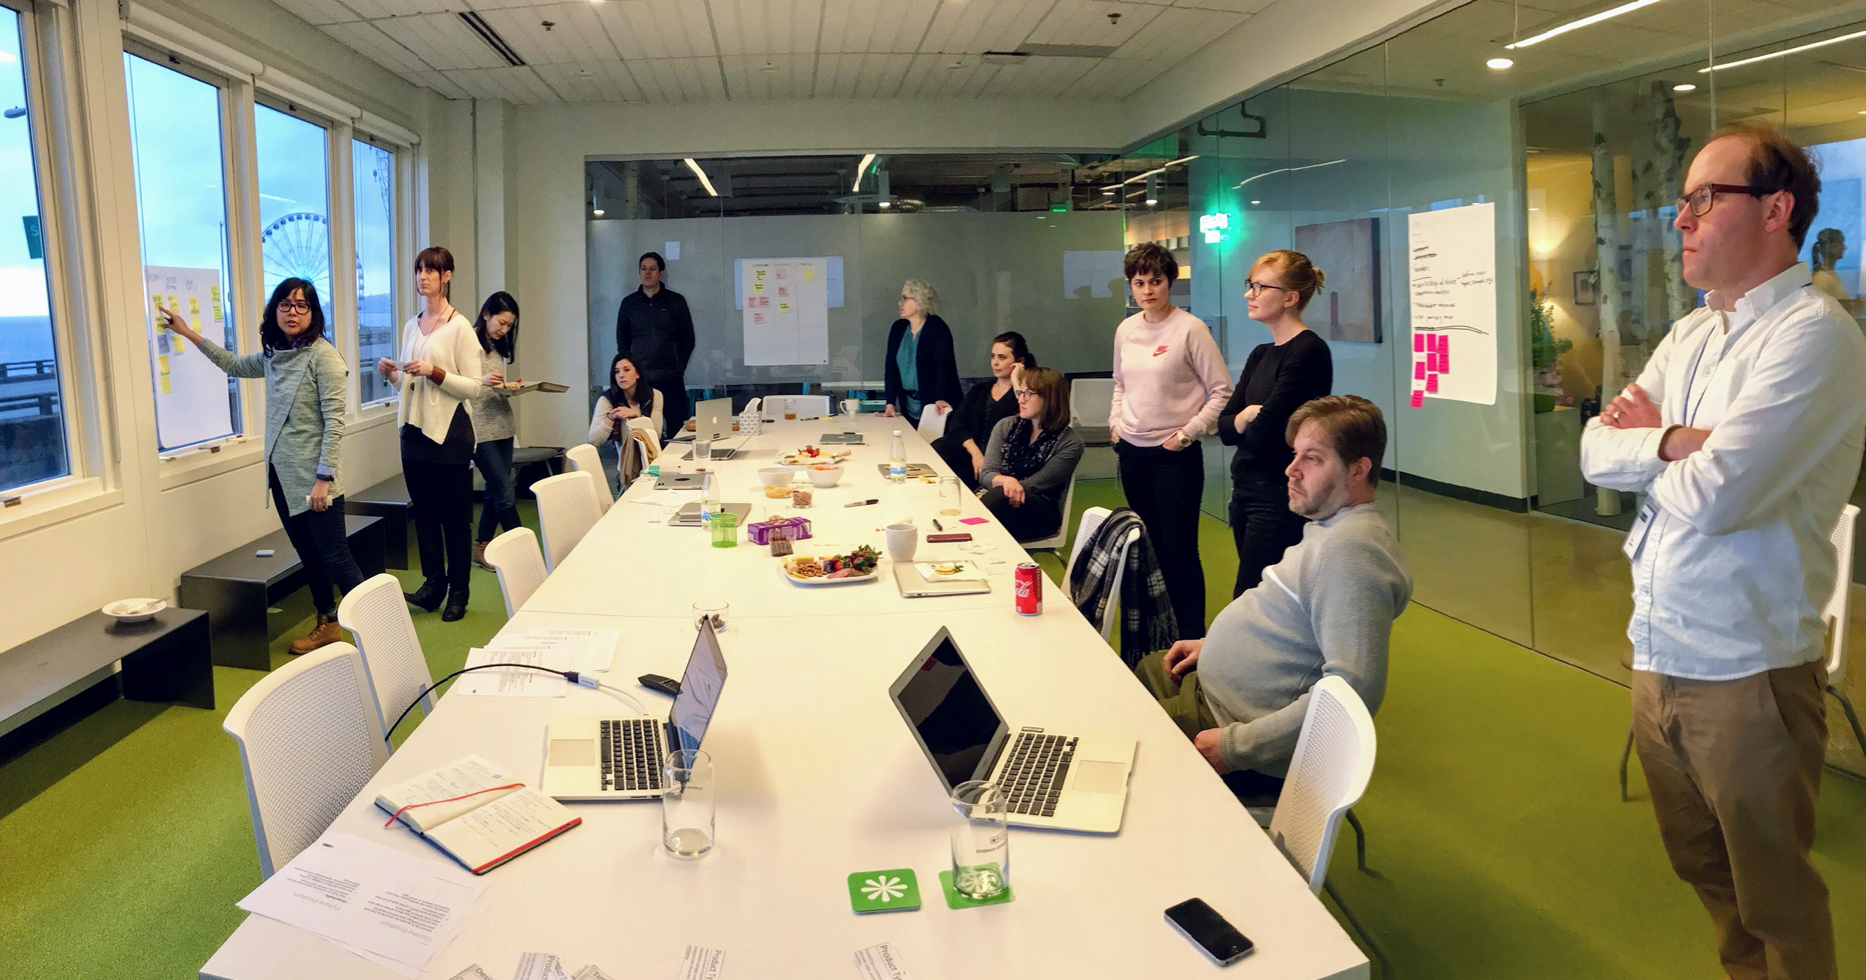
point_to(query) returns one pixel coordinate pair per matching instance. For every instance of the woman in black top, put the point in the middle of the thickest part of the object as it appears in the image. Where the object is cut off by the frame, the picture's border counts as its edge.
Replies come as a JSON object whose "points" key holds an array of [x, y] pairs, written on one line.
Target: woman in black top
{"points": [[969, 426], [1281, 375], [921, 371]]}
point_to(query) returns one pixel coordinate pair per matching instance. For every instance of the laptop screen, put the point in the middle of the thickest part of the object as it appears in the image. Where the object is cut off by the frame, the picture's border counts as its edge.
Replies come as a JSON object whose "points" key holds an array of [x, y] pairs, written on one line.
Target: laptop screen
{"points": [[713, 418], [956, 724], [693, 707]]}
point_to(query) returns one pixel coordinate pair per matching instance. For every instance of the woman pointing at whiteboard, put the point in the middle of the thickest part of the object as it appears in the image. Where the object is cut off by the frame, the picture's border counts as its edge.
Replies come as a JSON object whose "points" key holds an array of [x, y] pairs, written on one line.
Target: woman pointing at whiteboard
{"points": [[307, 387]]}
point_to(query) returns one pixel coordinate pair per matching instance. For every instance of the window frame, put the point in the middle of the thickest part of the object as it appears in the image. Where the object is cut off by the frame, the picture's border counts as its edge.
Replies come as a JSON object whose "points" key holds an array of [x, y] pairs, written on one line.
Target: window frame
{"points": [[334, 330], [399, 155]]}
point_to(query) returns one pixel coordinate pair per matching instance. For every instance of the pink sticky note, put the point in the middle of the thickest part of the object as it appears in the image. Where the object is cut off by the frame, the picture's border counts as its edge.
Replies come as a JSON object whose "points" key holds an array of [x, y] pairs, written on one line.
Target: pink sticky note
{"points": [[1418, 343], [1444, 362], [1431, 361], [973, 520], [1418, 370], [1431, 383], [1443, 342], [1418, 398]]}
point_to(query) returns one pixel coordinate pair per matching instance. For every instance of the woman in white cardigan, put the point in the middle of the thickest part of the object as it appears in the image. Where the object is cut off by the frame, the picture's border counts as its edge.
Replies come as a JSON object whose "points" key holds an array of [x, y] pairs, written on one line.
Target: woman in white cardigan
{"points": [[438, 373], [627, 397]]}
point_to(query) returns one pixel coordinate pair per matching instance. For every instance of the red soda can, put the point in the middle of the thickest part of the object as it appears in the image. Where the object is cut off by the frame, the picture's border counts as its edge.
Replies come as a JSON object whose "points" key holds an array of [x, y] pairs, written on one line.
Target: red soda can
{"points": [[1027, 588]]}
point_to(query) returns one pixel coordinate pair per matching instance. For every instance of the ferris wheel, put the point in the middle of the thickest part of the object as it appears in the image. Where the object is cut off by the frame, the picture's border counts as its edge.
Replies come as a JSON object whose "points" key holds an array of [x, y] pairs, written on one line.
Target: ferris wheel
{"points": [[297, 245]]}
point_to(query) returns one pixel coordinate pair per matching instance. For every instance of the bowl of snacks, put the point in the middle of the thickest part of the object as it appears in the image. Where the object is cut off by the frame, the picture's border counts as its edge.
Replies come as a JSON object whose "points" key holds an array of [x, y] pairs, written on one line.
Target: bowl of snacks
{"points": [[775, 476], [127, 611], [825, 474]]}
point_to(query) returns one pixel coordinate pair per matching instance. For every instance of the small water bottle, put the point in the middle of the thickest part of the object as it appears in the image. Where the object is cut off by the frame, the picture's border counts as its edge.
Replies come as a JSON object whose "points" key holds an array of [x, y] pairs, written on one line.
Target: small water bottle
{"points": [[709, 497], [897, 459]]}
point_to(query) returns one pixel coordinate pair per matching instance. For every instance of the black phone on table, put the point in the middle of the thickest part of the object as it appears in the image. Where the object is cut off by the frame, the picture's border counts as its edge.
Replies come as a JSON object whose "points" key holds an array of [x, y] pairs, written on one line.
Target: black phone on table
{"points": [[1209, 931]]}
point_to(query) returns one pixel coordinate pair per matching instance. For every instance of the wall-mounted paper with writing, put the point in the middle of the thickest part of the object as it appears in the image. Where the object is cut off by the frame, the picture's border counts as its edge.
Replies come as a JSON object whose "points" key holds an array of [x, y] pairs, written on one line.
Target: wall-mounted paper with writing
{"points": [[1451, 262]]}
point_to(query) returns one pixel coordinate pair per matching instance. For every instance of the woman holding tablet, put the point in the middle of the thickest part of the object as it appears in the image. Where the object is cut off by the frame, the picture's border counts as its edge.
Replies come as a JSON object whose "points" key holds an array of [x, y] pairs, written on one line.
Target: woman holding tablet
{"points": [[438, 375], [307, 388], [969, 426], [1170, 381], [1032, 457], [497, 330], [920, 369]]}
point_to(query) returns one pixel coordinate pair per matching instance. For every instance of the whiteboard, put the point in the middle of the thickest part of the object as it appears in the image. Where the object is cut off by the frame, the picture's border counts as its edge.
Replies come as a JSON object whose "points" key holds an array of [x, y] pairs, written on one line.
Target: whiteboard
{"points": [[785, 306], [190, 392], [1452, 266]]}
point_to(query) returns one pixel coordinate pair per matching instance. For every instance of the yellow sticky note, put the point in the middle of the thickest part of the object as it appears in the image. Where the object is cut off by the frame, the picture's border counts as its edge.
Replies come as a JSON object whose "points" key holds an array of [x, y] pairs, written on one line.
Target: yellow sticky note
{"points": [[155, 300], [165, 384], [809, 273], [173, 303], [195, 321], [162, 363], [783, 307], [213, 292], [194, 304], [216, 312], [758, 287]]}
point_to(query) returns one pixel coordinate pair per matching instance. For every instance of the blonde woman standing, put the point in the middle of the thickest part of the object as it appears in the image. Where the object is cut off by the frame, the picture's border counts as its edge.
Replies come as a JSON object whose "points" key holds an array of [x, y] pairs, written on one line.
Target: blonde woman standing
{"points": [[438, 374]]}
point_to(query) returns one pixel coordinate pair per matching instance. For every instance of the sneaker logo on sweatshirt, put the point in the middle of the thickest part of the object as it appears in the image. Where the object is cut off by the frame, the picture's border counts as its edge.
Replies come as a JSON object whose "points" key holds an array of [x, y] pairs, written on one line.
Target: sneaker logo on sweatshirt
{"points": [[1157, 351]]}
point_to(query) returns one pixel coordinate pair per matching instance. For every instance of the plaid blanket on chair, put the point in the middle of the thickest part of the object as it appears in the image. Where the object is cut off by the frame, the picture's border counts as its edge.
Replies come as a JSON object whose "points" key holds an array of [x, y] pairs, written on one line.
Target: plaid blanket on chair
{"points": [[1147, 622]]}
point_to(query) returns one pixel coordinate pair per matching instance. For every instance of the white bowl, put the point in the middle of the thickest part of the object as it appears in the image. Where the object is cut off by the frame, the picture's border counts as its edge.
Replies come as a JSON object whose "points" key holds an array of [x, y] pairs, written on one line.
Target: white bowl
{"points": [[134, 610], [825, 476], [775, 476]]}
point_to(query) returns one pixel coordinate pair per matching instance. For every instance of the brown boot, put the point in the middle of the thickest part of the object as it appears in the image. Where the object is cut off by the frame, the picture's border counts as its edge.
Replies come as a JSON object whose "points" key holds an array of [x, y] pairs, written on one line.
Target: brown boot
{"points": [[324, 633], [479, 555]]}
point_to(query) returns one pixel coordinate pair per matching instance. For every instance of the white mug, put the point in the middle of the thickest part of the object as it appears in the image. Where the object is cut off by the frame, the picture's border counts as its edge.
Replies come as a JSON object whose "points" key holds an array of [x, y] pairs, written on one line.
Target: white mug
{"points": [[851, 406], [902, 540]]}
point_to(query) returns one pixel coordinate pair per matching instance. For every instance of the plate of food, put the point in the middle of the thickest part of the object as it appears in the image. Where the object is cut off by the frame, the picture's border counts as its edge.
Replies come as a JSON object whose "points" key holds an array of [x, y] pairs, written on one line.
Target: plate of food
{"points": [[812, 456], [819, 569]]}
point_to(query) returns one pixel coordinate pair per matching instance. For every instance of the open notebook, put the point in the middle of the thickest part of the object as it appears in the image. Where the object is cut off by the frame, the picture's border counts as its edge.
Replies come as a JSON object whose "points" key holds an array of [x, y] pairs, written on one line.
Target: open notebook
{"points": [[478, 813]]}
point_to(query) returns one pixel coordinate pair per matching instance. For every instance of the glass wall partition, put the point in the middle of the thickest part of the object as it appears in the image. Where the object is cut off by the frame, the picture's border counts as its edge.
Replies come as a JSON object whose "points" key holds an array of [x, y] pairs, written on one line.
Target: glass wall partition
{"points": [[373, 174]]}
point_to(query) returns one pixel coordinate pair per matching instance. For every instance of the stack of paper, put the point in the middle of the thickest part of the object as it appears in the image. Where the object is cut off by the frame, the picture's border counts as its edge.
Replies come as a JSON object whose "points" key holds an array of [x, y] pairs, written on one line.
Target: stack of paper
{"points": [[581, 650]]}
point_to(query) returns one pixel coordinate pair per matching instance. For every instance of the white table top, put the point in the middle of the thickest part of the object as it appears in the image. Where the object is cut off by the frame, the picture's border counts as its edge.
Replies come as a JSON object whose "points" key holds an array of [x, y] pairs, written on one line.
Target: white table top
{"points": [[819, 777]]}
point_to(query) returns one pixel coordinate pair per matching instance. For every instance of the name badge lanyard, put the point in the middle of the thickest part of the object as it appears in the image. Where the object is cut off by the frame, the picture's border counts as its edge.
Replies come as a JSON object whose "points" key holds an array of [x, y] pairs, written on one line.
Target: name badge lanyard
{"points": [[1691, 411], [1636, 535]]}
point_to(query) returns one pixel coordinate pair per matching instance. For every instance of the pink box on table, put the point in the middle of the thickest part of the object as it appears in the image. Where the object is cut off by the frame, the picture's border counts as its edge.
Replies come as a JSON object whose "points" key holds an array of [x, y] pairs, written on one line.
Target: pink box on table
{"points": [[795, 528]]}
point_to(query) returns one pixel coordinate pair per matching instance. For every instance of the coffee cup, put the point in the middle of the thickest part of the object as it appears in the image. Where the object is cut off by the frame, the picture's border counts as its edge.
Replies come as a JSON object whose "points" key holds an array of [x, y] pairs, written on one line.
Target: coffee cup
{"points": [[902, 540]]}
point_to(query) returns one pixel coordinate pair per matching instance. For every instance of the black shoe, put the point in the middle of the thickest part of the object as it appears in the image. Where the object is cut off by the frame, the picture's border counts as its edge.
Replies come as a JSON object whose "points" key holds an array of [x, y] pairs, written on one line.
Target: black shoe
{"points": [[456, 607], [428, 597]]}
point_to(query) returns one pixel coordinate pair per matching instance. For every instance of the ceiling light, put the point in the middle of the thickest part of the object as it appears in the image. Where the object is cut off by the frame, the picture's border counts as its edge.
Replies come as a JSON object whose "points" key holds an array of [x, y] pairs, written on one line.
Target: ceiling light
{"points": [[1256, 202], [697, 172], [860, 169], [767, 68], [1285, 170], [1498, 64], [598, 212], [1686, 87], [1625, 8], [1153, 190], [882, 204], [1779, 54]]}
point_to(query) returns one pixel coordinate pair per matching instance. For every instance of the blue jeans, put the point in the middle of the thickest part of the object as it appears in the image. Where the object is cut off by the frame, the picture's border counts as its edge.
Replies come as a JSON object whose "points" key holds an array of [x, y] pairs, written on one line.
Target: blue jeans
{"points": [[499, 507]]}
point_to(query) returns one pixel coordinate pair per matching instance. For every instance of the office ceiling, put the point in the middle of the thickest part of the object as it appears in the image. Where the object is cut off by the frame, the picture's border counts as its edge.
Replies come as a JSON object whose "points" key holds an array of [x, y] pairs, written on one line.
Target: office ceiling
{"points": [[673, 51]]}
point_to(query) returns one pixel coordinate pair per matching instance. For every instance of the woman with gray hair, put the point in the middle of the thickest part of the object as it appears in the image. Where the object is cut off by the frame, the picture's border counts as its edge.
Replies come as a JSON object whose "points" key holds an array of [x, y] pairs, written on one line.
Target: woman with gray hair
{"points": [[921, 371]]}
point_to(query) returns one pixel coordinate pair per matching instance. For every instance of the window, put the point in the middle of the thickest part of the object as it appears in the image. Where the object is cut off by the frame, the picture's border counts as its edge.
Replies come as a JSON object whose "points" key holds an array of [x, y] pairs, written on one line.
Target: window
{"points": [[32, 411], [374, 172], [294, 203], [181, 200]]}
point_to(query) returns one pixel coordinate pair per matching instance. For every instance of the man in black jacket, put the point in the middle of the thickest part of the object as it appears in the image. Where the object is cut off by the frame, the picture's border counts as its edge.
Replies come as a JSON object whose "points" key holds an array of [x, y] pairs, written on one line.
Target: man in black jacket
{"points": [[654, 327]]}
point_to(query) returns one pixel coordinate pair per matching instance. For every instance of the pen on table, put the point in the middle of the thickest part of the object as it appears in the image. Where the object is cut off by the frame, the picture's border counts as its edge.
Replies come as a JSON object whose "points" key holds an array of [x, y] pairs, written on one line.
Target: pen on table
{"points": [[862, 503], [937, 526]]}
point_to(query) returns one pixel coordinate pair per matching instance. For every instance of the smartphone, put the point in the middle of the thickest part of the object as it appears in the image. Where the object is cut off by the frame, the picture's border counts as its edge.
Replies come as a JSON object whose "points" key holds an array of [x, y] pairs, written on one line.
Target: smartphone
{"points": [[661, 685], [1209, 931]]}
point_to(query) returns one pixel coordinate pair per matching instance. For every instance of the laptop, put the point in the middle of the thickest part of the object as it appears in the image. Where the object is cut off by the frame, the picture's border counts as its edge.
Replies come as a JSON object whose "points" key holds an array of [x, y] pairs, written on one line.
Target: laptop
{"points": [[914, 585], [620, 758], [1055, 781], [689, 514], [714, 418]]}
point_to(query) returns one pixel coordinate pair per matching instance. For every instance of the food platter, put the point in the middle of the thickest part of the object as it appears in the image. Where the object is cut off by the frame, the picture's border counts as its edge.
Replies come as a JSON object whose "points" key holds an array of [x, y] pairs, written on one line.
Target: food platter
{"points": [[813, 565], [812, 456]]}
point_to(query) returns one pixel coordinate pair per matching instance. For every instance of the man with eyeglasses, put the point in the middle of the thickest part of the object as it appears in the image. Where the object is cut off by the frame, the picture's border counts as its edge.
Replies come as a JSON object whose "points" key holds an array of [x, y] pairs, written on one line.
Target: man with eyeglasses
{"points": [[1744, 432]]}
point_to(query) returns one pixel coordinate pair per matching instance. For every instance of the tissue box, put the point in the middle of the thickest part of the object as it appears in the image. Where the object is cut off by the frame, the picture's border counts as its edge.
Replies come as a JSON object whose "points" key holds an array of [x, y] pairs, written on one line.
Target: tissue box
{"points": [[795, 528]]}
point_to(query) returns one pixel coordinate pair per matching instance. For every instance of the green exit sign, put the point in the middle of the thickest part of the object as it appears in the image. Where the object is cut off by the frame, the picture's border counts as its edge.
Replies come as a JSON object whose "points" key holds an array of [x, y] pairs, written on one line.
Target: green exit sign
{"points": [[35, 245]]}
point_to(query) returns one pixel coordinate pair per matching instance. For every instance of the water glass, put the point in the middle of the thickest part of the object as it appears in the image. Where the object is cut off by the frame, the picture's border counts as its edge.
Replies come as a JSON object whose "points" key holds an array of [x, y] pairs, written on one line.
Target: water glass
{"points": [[687, 791], [718, 612], [702, 447], [949, 496], [724, 527], [981, 840]]}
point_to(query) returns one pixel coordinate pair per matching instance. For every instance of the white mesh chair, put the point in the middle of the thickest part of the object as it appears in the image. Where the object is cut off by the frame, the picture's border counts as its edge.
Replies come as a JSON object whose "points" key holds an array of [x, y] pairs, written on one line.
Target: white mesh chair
{"points": [[1329, 772], [1090, 401], [309, 739], [1054, 543], [1091, 519], [377, 616], [803, 406], [514, 555], [585, 459], [567, 509], [1836, 617]]}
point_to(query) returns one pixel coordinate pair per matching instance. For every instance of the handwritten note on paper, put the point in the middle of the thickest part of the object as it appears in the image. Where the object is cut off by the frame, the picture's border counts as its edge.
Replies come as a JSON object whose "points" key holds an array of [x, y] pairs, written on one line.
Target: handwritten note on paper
{"points": [[1452, 268]]}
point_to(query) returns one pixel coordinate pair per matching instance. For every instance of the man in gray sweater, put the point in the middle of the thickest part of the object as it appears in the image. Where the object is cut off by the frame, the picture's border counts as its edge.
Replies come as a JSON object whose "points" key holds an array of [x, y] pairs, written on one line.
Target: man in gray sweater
{"points": [[1241, 693]]}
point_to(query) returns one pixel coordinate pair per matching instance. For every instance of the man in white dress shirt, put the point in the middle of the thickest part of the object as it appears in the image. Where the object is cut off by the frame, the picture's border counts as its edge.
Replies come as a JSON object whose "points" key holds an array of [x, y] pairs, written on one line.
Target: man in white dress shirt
{"points": [[1745, 433]]}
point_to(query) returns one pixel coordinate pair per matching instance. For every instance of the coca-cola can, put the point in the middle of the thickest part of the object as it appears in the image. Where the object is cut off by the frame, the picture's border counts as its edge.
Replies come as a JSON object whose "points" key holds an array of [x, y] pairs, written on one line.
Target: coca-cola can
{"points": [[1027, 589]]}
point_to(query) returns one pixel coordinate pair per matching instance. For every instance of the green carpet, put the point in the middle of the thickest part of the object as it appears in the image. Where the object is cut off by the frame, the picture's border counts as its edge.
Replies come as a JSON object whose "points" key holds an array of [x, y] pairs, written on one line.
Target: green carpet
{"points": [[1499, 844]]}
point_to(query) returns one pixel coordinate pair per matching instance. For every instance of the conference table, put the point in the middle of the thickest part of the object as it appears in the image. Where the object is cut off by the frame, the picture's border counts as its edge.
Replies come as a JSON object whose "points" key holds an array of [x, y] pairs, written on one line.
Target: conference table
{"points": [[819, 776]]}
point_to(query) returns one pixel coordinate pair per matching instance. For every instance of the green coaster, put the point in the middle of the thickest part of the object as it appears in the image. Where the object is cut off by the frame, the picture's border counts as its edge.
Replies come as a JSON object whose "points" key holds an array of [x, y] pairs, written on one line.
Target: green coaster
{"points": [[954, 900], [892, 890]]}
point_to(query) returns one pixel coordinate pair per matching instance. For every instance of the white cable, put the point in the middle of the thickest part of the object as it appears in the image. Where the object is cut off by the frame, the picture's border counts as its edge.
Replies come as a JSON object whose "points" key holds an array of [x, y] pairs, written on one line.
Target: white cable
{"points": [[586, 680]]}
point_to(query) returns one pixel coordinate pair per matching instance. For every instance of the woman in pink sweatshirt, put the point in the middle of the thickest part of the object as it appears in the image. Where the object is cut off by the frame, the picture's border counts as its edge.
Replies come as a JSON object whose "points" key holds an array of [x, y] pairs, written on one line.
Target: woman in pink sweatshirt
{"points": [[1170, 383]]}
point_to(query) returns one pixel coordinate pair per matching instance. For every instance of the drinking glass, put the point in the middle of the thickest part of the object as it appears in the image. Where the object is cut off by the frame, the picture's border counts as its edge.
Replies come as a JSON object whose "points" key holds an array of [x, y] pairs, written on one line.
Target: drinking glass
{"points": [[718, 612], [725, 529], [687, 803], [702, 447], [981, 840], [949, 496]]}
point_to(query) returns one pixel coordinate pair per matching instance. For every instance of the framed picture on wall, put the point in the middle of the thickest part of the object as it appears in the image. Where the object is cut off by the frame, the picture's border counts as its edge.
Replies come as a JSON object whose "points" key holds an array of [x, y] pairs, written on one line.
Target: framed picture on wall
{"points": [[1586, 287], [1348, 253]]}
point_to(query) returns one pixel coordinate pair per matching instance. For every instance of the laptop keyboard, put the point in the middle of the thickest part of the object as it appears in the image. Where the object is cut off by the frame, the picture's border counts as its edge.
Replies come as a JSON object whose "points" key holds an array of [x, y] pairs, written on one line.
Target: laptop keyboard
{"points": [[1032, 780], [631, 754]]}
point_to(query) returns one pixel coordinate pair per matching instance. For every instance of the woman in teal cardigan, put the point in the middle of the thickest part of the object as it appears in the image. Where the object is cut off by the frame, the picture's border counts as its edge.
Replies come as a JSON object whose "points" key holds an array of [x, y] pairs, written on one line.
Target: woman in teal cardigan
{"points": [[306, 394]]}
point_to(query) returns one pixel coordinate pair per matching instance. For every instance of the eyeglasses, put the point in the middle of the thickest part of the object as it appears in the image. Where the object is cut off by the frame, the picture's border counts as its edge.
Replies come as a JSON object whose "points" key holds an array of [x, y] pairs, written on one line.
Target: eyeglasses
{"points": [[1700, 199], [294, 306], [1252, 286], [1022, 393]]}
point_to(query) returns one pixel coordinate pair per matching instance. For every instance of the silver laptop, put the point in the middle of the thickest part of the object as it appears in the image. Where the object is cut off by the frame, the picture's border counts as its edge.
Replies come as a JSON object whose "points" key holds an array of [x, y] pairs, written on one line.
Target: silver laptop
{"points": [[620, 758], [689, 514], [1057, 781], [714, 418], [914, 585]]}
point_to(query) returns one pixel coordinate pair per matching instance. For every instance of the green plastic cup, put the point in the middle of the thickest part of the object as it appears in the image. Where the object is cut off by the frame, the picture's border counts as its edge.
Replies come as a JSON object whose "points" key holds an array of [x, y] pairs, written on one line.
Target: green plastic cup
{"points": [[725, 529]]}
